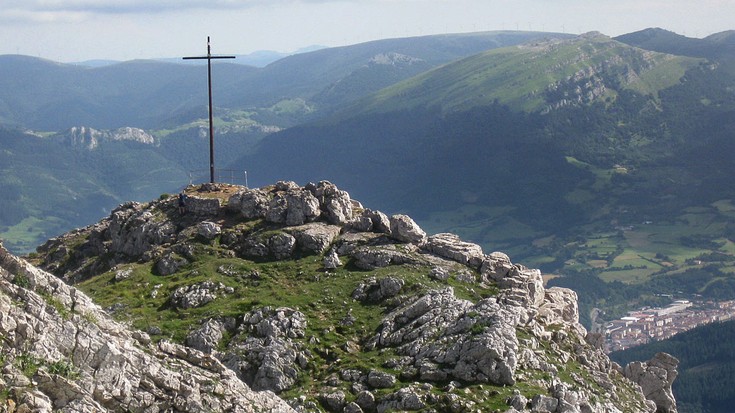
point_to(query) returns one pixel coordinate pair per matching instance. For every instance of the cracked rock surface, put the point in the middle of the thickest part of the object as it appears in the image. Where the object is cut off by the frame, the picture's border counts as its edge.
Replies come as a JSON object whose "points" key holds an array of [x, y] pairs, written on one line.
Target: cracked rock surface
{"points": [[62, 353]]}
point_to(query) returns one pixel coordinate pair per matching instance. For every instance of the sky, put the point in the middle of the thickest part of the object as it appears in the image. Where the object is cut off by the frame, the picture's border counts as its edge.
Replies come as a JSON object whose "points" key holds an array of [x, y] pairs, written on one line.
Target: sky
{"points": [[80, 30]]}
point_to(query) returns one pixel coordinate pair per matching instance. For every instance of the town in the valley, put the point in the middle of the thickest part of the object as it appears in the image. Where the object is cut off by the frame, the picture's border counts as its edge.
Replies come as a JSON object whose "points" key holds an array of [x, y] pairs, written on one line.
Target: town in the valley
{"points": [[653, 324]]}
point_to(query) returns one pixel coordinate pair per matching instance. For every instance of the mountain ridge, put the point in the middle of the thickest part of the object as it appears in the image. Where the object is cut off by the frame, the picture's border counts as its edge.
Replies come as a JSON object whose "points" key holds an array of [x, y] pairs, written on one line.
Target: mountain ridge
{"points": [[485, 78], [714, 46], [404, 321], [142, 93]]}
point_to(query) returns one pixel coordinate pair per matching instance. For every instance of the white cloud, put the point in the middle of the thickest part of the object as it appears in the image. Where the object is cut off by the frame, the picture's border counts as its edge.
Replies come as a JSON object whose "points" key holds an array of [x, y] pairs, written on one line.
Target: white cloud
{"points": [[38, 11], [24, 16], [29, 7]]}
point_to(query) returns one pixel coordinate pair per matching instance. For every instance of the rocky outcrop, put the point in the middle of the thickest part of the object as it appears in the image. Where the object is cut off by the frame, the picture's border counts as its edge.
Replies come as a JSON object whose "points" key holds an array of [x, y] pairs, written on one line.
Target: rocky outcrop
{"points": [[293, 207], [451, 247], [445, 338], [197, 295], [375, 291], [405, 229], [90, 138], [351, 309], [251, 203], [61, 353], [335, 203], [370, 258], [134, 230], [264, 353], [315, 237], [655, 378], [331, 260], [208, 229]]}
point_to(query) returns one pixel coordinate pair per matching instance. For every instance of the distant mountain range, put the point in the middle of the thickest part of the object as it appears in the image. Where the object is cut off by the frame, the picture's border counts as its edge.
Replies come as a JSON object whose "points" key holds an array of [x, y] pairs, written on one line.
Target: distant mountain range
{"points": [[259, 58], [716, 46], [44, 95]]}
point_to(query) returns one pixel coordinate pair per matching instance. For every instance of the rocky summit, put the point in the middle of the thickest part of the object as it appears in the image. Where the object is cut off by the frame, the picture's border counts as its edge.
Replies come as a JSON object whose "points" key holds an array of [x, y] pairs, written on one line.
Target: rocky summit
{"points": [[290, 298]]}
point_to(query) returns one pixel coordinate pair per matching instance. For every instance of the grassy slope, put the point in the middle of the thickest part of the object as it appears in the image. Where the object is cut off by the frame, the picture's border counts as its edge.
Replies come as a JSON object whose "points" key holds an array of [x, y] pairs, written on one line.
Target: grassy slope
{"points": [[519, 75]]}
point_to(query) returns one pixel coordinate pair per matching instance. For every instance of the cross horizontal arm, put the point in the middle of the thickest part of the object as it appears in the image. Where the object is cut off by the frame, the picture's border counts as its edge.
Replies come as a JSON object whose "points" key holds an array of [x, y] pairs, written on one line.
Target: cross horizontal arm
{"points": [[208, 57]]}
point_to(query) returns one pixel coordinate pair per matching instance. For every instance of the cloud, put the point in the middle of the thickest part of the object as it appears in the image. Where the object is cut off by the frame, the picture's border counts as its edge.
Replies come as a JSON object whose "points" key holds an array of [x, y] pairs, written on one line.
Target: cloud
{"points": [[137, 6], [48, 11]]}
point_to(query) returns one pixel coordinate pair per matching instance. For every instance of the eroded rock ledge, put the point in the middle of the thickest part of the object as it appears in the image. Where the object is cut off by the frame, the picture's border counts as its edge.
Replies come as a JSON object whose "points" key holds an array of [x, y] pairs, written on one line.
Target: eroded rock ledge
{"points": [[62, 353]]}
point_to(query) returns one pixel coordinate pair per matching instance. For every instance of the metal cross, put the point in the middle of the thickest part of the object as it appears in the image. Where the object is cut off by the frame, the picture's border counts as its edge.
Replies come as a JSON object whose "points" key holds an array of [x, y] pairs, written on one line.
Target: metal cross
{"points": [[209, 58]]}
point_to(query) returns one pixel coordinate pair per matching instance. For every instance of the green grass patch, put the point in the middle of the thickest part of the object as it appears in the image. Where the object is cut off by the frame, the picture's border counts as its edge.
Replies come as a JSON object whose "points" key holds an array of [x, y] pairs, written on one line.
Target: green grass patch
{"points": [[27, 234], [300, 284], [28, 364]]}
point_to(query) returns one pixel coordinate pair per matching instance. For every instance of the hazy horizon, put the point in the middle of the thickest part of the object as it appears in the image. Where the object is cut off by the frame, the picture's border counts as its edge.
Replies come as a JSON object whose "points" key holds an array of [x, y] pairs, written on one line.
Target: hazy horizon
{"points": [[81, 30]]}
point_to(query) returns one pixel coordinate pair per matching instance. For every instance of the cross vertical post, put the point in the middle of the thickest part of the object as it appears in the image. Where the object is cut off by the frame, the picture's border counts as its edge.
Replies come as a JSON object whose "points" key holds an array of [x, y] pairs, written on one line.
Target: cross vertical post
{"points": [[209, 58]]}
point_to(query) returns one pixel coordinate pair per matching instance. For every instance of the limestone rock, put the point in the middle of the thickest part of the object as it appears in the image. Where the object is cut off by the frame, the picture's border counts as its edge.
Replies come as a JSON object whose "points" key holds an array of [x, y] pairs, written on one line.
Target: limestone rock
{"points": [[496, 266], [121, 275], [352, 407], [133, 230], [208, 229], [315, 237], [114, 372], [541, 403], [380, 222], [170, 263], [207, 337], [197, 295], [518, 331], [366, 400], [253, 248], [360, 224], [475, 343], [380, 380], [560, 307], [335, 203], [282, 186], [282, 245], [264, 354], [370, 258], [251, 203], [405, 399], [519, 402], [404, 229], [655, 378], [375, 291], [331, 260], [522, 288], [333, 402], [294, 207], [201, 206], [439, 273], [452, 247]]}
